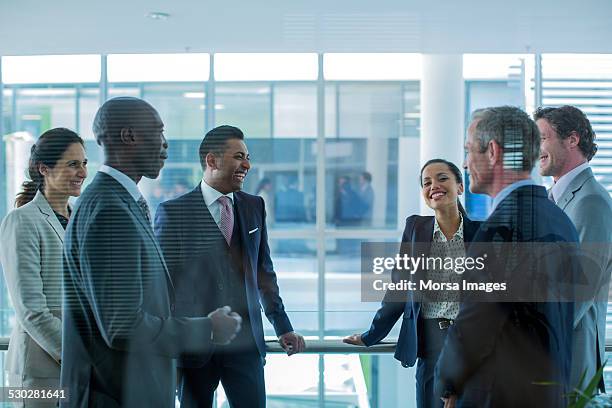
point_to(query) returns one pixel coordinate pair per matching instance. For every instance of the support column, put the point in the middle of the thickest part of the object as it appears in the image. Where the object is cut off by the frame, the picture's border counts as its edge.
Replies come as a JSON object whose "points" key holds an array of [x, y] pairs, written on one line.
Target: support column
{"points": [[442, 110]]}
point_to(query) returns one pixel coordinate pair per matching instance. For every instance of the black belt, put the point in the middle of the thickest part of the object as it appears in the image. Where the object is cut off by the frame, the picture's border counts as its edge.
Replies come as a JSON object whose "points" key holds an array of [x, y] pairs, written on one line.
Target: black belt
{"points": [[441, 323]]}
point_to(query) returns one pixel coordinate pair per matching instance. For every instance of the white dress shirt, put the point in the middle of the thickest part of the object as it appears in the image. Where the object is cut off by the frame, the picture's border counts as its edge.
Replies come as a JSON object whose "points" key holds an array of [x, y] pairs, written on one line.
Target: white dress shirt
{"points": [[441, 247], [127, 183], [211, 198]]}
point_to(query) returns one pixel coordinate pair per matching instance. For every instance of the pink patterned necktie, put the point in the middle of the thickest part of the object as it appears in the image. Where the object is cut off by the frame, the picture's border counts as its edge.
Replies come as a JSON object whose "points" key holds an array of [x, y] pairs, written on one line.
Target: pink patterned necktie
{"points": [[227, 218]]}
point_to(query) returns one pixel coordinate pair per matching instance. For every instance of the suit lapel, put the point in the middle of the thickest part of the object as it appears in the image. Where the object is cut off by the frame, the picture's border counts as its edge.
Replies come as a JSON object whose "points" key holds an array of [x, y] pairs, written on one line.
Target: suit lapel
{"points": [[46, 210], [574, 186], [198, 206], [146, 226], [422, 236], [242, 214]]}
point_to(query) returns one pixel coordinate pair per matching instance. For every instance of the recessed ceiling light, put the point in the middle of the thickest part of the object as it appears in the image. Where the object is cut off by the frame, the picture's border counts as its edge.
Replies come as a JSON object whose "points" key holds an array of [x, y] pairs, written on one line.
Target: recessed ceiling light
{"points": [[158, 15]]}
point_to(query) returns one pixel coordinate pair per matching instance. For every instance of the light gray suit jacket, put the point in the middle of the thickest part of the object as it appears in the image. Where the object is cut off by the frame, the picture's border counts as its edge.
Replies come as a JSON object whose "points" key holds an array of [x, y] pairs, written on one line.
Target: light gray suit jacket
{"points": [[589, 206], [31, 256]]}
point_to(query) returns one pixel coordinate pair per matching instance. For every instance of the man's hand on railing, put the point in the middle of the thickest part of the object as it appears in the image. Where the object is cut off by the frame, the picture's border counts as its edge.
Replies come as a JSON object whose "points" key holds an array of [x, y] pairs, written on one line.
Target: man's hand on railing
{"points": [[354, 339], [292, 343]]}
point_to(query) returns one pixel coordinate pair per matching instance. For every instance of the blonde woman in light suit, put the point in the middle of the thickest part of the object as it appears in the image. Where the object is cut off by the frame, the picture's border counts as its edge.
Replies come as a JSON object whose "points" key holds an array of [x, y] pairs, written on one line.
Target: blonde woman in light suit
{"points": [[31, 256]]}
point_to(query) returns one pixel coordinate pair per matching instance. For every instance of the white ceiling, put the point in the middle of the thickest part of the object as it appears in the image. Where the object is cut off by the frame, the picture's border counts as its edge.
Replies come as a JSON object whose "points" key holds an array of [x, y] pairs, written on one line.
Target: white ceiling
{"points": [[436, 26]]}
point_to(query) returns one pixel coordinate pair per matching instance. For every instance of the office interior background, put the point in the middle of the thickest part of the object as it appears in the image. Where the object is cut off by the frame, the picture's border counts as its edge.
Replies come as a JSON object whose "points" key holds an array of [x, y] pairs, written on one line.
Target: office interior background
{"points": [[322, 92]]}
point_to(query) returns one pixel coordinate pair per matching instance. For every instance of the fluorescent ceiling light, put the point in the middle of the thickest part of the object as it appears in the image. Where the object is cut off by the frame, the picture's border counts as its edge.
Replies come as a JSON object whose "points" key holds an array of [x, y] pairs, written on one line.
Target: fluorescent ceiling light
{"points": [[372, 67], [51, 69], [158, 15], [194, 95], [158, 67], [266, 67]]}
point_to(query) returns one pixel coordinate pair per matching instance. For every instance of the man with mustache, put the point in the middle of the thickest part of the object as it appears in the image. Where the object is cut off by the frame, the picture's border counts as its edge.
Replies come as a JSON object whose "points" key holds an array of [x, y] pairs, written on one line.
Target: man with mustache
{"points": [[567, 146], [215, 241]]}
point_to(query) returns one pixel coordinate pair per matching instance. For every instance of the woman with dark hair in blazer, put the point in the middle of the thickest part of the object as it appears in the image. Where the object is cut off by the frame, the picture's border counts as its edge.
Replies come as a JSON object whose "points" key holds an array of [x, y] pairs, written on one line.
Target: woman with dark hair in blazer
{"points": [[31, 255], [424, 324]]}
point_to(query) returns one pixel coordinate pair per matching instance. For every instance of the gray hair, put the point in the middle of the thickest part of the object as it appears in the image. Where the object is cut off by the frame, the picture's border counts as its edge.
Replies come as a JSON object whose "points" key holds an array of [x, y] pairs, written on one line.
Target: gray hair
{"points": [[513, 130]]}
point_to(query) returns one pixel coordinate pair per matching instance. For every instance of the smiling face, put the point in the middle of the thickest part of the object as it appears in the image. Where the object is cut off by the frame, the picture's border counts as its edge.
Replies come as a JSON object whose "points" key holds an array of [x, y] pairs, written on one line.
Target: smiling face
{"points": [[67, 176], [439, 186], [554, 151], [229, 169]]}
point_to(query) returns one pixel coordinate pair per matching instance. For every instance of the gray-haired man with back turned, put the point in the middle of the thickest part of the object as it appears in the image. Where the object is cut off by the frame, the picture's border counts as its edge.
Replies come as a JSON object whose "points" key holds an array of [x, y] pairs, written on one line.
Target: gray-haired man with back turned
{"points": [[498, 352]]}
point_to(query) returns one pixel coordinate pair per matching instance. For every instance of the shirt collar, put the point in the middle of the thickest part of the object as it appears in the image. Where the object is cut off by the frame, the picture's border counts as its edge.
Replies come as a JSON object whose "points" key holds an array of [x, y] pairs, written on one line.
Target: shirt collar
{"points": [[127, 183], [509, 189], [564, 181], [440, 234], [211, 195]]}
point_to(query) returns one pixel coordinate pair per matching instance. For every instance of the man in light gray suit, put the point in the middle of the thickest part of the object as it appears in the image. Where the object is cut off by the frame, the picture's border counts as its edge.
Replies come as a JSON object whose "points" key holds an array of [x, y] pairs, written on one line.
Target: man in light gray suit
{"points": [[567, 146]]}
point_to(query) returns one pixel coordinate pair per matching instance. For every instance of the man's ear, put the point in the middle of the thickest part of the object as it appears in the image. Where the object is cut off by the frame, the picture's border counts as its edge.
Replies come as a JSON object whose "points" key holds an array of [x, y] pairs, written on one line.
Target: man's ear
{"points": [[43, 169], [127, 136], [211, 161], [573, 139], [494, 152]]}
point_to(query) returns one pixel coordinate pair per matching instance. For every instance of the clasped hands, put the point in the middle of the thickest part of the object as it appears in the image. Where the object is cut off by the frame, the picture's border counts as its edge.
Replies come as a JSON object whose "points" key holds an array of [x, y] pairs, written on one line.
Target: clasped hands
{"points": [[225, 325]]}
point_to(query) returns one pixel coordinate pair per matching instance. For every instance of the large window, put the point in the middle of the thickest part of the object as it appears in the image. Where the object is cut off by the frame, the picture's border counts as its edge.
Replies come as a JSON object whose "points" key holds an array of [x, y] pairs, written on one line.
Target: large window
{"points": [[329, 146], [274, 100]]}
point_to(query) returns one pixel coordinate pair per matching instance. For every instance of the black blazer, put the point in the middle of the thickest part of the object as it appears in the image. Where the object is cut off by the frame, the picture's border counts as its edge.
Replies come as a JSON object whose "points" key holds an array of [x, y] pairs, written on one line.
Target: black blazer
{"points": [[497, 352], [183, 226], [119, 338], [418, 233]]}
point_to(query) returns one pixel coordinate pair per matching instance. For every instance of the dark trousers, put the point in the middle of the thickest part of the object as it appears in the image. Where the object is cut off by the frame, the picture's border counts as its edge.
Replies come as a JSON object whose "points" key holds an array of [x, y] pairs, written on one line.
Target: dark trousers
{"points": [[431, 340], [240, 372]]}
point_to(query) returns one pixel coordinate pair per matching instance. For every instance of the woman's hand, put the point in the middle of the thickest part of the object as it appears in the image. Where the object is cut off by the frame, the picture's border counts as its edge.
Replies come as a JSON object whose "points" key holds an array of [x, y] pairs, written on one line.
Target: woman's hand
{"points": [[354, 339]]}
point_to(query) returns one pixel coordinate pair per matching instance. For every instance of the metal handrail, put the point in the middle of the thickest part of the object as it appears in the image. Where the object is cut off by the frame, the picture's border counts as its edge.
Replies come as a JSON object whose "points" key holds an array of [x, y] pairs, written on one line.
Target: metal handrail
{"points": [[312, 346], [335, 346]]}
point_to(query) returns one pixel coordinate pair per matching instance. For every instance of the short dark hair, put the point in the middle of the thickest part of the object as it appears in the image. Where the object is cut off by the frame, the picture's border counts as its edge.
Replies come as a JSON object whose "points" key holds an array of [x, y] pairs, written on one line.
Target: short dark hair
{"points": [[514, 132], [567, 119], [119, 113], [215, 141], [367, 176]]}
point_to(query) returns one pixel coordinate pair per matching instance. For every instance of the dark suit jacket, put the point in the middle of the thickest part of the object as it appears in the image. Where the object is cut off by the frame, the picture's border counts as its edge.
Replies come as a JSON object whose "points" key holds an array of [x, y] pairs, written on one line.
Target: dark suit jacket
{"points": [[496, 352], [183, 226], [418, 235], [119, 338]]}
